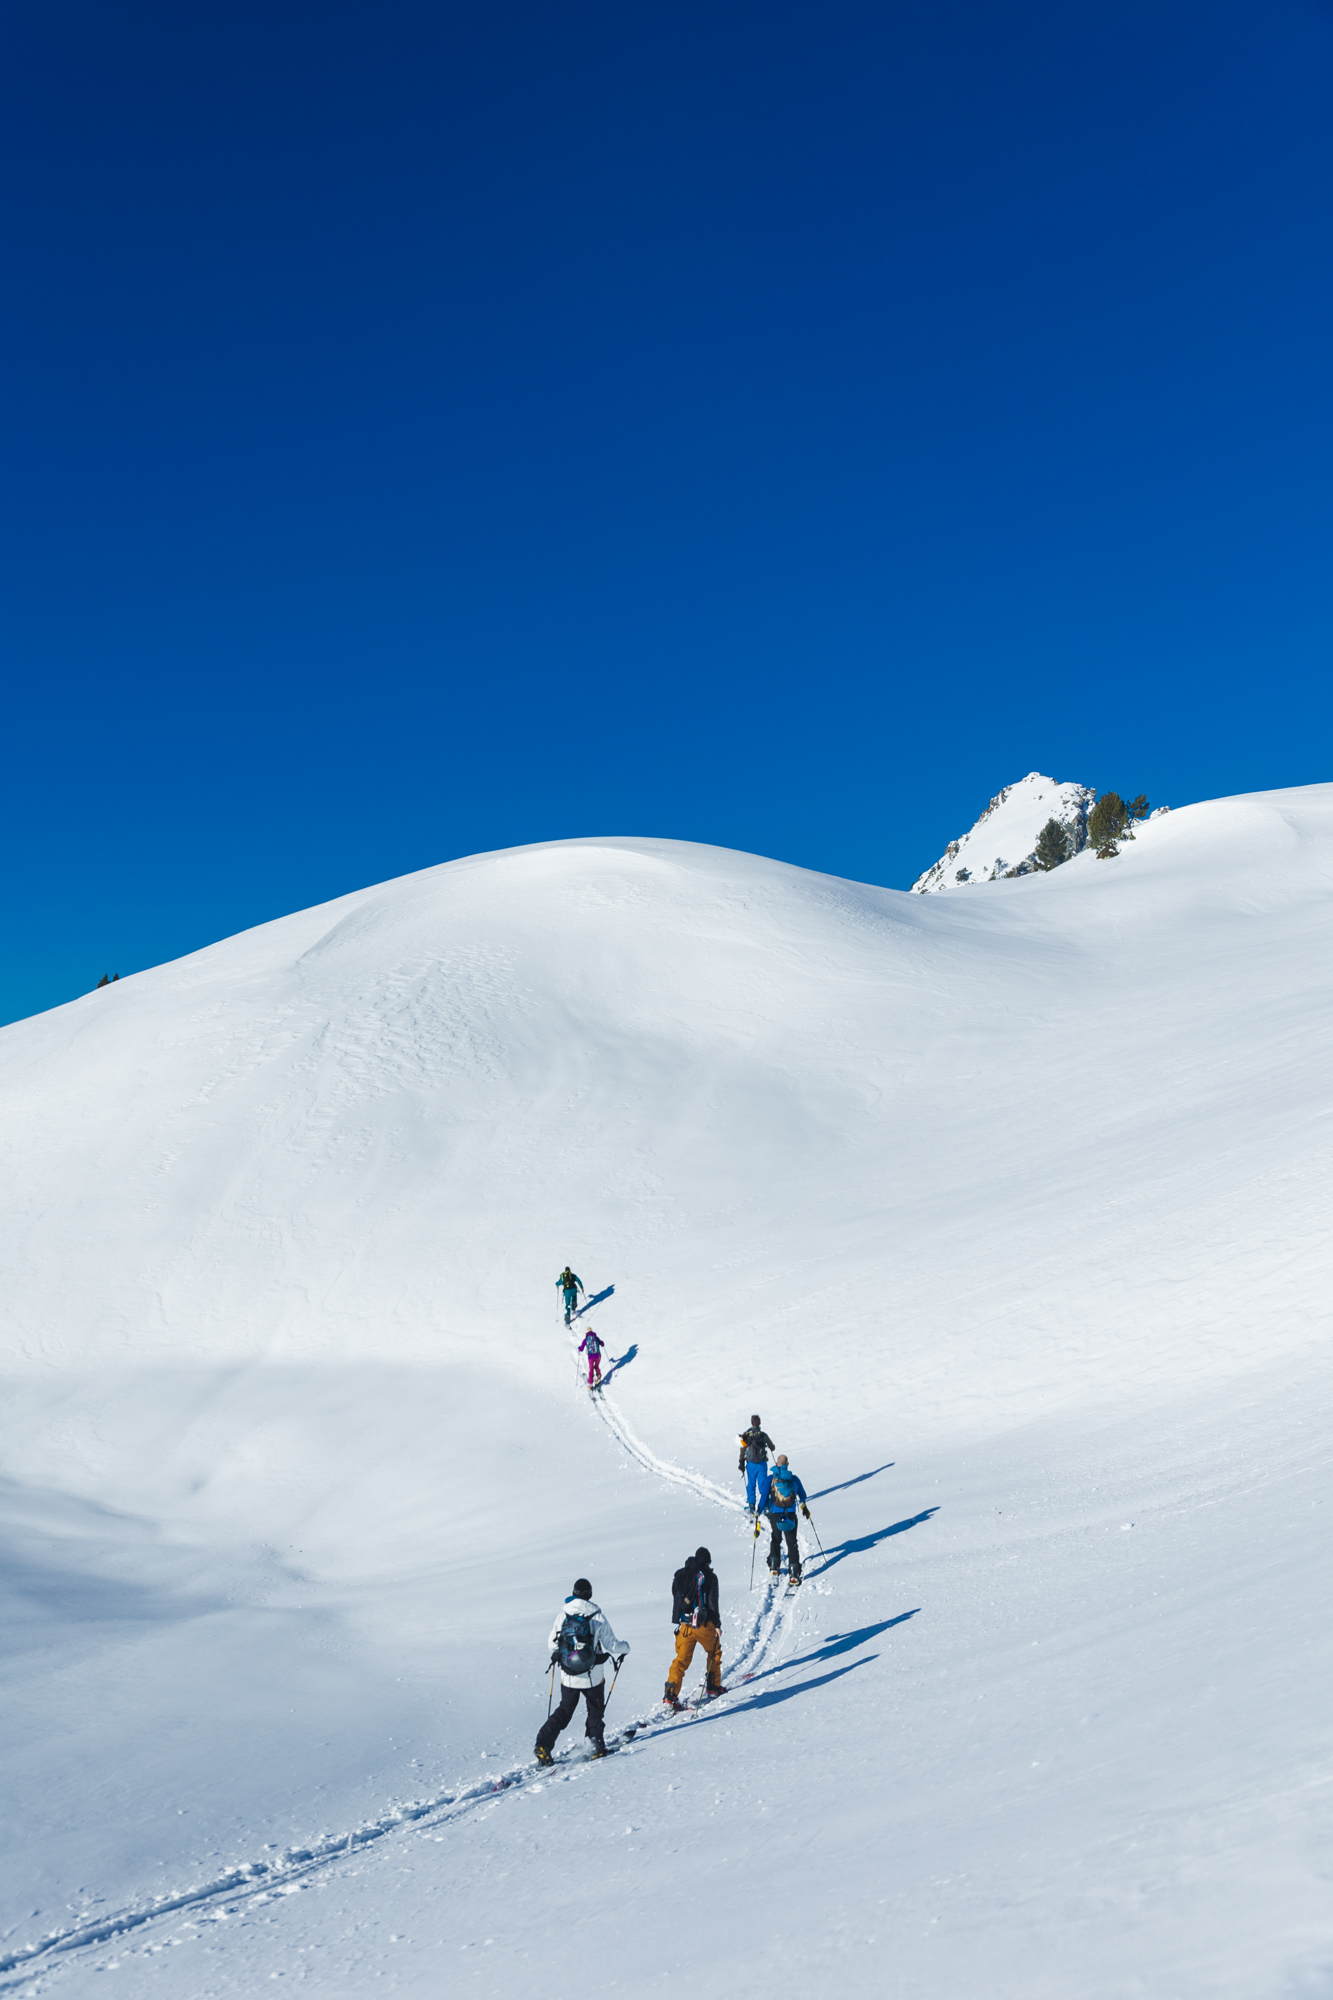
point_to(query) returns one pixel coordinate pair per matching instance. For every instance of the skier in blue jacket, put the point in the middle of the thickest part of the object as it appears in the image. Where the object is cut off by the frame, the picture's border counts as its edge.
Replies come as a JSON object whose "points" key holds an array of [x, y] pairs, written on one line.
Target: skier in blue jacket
{"points": [[779, 1497]]}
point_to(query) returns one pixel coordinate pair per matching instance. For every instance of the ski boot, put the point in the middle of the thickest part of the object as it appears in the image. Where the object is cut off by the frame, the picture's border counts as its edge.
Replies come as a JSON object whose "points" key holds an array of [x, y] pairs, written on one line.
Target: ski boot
{"points": [[795, 1580], [598, 1750], [670, 1699], [543, 1755]]}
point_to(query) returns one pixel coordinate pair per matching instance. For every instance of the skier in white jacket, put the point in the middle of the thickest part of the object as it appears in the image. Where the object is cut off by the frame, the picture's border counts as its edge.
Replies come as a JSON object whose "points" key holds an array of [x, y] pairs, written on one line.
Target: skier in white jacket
{"points": [[582, 1641]]}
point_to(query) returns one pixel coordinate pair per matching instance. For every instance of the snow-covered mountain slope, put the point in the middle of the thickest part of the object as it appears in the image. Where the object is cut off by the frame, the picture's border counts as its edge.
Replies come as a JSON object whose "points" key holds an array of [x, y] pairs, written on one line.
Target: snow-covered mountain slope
{"points": [[1009, 1214], [1004, 839]]}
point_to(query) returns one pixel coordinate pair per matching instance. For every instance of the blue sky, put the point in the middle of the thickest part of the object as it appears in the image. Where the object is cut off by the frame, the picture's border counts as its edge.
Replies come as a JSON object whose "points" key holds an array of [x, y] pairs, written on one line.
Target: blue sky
{"points": [[432, 428]]}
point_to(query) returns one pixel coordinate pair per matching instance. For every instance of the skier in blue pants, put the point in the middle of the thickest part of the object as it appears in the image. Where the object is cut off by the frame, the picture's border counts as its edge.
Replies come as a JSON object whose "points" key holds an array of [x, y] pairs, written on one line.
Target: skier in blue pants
{"points": [[756, 1444]]}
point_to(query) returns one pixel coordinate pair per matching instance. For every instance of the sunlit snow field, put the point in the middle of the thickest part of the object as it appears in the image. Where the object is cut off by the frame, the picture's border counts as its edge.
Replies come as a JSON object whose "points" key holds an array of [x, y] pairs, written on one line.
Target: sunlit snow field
{"points": [[1008, 1210]]}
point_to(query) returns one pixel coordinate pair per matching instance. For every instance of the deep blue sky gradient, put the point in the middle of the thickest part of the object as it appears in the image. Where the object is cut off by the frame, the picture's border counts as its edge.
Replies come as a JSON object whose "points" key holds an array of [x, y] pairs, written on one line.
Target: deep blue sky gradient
{"points": [[431, 428]]}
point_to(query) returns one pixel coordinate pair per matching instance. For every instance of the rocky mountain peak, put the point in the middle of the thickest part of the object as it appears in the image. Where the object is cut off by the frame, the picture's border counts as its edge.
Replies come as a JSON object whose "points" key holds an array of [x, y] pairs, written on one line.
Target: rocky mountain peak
{"points": [[1004, 839]]}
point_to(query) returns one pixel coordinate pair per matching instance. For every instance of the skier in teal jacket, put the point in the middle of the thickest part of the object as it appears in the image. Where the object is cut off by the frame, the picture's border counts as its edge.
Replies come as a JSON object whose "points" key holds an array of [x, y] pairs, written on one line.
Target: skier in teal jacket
{"points": [[571, 1287]]}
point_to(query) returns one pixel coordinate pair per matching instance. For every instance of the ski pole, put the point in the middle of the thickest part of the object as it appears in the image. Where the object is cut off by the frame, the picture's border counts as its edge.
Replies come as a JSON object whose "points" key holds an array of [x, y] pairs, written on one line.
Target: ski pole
{"points": [[815, 1532], [614, 1678], [550, 1704], [753, 1546]]}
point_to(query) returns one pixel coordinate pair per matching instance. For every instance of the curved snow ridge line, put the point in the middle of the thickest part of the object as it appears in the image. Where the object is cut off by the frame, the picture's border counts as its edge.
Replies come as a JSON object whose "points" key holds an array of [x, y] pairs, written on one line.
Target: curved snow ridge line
{"points": [[697, 1482]]}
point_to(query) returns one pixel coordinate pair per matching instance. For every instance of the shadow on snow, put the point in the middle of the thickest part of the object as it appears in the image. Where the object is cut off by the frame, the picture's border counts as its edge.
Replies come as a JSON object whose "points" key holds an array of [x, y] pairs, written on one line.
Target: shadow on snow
{"points": [[860, 1477], [861, 1544], [838, 1642], [771, 1696], [588, 1304]]}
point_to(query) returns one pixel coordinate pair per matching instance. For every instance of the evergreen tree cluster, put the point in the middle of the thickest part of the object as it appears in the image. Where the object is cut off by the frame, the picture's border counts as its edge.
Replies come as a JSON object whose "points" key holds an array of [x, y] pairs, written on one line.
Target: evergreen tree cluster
{"points": [[1053, 845], [104, 981], [1110, 821]]}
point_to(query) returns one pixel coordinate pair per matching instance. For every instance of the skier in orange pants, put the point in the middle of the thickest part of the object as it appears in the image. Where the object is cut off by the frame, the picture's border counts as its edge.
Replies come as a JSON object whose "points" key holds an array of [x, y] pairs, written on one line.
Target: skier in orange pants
{"points": [[698, 1622]]}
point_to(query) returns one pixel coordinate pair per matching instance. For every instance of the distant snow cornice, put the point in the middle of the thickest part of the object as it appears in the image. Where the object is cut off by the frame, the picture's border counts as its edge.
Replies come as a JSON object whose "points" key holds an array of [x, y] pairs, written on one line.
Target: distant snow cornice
{"points": [[1004, 839]]}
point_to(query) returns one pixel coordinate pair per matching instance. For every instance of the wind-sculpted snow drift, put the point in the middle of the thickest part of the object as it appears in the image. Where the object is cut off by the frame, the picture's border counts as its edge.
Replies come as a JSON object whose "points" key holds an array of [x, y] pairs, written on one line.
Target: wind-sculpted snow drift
{"points": [[1009, 1213]]}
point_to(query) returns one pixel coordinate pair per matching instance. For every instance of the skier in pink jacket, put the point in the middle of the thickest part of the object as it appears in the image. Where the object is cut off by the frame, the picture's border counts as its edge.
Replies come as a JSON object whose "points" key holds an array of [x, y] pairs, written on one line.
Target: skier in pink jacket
{"points": [[594, 1348]]}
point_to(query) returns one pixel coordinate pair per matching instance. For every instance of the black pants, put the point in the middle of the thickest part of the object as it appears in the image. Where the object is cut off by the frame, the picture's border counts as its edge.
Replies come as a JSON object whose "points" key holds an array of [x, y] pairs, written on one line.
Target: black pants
{"points": [[564, 1715], [793, 1549]]}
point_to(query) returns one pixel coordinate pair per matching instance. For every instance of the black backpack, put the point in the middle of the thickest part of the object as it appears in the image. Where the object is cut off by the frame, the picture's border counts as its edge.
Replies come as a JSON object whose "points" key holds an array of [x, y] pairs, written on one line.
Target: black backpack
{"points": [[577, 1646]]}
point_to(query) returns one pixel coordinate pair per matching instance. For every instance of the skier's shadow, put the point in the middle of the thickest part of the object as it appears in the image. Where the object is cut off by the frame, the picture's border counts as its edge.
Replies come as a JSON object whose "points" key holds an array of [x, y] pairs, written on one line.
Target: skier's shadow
{"points": [[838, 1642], [588, 1304], [771, 1696], [622, 1362], [864, 1543], [859, 1479]]}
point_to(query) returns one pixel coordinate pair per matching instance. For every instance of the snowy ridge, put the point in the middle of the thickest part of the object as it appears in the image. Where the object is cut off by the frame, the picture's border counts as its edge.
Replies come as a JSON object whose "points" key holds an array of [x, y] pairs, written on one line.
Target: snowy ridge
{"points": [[1004, 838]]}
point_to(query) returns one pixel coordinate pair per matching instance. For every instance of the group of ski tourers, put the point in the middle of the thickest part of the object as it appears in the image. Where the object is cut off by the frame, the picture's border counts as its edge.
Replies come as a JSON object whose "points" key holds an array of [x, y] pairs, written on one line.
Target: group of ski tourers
{"points": [[591, 1343], [582, 1643], [777, 1493]]}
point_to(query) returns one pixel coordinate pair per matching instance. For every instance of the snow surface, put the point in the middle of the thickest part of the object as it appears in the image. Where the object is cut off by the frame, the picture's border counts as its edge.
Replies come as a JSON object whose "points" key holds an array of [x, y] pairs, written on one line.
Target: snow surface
{"points": [[1009, 1214], [1004, 839]]}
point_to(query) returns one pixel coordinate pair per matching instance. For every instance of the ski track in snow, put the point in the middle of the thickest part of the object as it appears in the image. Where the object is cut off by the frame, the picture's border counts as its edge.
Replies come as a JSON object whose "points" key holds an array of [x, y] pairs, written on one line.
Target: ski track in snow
{"points": [[614, 1418], [254, 1883], [677, 1475]]}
